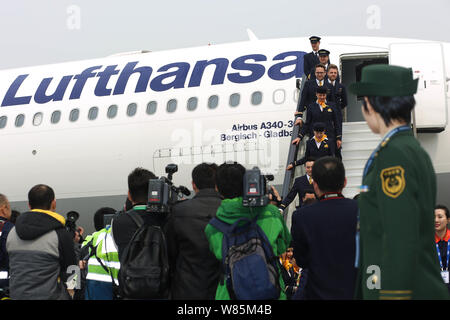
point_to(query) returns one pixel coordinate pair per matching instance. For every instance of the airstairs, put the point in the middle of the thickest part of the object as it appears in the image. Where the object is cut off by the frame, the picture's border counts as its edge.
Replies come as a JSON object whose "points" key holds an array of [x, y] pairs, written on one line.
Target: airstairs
{"points": [[358, 142]]}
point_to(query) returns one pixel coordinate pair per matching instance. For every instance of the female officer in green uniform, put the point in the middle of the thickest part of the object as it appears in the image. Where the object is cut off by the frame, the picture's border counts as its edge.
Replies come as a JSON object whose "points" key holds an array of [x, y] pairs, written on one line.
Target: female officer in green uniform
{"points": [[397, 256]]}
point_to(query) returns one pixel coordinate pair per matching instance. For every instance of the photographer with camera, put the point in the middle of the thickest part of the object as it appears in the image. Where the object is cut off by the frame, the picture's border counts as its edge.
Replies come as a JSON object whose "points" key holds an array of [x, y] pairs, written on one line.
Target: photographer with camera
{"points": [[123, 226], [251, 232], [195, 274], [140, 237], [40, 250]]}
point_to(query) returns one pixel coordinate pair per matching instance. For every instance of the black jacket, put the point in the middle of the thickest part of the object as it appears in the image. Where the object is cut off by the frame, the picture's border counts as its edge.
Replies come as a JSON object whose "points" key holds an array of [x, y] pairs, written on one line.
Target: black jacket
{"points": [[324, 243], [329, 116], [308, 95], [40, 251], [313, 152], [337, 94], [300, 185], [310, 60], [196, 270]]}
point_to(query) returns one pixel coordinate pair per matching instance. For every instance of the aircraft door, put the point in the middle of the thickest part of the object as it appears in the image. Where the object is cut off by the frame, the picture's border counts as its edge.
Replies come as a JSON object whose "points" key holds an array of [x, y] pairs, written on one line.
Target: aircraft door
{"points": [[427, 61]]}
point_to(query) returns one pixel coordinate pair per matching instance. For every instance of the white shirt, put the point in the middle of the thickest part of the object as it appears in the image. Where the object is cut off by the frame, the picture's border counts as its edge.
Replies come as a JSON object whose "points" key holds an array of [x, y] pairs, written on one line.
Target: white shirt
{"points": [[319, 81], [317, 144], [332, 82]]}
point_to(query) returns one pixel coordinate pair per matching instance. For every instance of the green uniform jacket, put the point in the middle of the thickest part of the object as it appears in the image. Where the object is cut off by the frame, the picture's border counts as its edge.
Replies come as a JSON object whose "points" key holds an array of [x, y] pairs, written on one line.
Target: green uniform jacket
{"points": [[398, 258], [270, 221]]}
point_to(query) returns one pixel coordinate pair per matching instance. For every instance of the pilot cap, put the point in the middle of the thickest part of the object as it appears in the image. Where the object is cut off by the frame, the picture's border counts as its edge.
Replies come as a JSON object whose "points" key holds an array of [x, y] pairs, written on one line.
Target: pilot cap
{"points": [[323, 52], [319, 126], [321, 89], [314, 39]]}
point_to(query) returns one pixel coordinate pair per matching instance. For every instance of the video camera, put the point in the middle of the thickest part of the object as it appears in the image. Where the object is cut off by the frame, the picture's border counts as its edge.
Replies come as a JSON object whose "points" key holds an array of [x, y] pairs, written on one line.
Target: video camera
{"points": [[162, 194], [256, 190], [107, 218], [71, 226]]}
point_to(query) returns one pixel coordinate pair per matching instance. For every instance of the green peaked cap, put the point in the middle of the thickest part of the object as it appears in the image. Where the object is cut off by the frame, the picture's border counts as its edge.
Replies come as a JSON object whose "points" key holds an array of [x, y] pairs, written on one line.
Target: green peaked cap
{"points": [[386, 81]]}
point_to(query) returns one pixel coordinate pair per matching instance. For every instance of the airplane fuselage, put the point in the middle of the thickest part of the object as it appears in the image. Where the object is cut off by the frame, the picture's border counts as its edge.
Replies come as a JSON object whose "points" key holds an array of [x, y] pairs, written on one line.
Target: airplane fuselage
{"points": [[86, 125]]}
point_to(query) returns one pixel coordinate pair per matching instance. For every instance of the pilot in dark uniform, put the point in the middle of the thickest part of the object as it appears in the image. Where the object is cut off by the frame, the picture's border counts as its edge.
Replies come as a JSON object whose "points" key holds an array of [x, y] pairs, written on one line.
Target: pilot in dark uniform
{"points": [[300, 185], [324, 58], [322, 111], [316, 147], [308, 95], [336, 91], [310, 60]]}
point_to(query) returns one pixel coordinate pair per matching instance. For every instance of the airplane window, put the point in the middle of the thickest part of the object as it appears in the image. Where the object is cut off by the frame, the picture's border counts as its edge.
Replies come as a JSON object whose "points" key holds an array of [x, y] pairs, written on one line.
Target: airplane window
{"points": [[93, 113], [56, 116], [131, 110], [151, 107], [112, 111], [213, 102], [279, 96], [172, 105], [20, 120], [192, 104], [235, 99], [37, 119], [256, 98], [3, 121], [74, 114]]}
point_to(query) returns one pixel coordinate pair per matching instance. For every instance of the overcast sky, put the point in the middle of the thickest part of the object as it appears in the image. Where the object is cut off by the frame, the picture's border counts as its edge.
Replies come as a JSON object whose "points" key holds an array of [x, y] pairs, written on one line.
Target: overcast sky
{"points": [[50, 31]]}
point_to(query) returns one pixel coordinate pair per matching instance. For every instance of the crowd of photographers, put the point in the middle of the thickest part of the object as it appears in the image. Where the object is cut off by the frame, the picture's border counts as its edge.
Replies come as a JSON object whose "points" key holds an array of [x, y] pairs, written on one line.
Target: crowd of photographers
{"points": [[229, 241]]}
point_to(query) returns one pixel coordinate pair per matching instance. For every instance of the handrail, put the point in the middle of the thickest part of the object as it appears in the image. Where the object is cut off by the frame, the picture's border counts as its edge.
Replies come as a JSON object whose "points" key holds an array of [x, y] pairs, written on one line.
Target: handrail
{"points": [[414, 124], [293, 151]]}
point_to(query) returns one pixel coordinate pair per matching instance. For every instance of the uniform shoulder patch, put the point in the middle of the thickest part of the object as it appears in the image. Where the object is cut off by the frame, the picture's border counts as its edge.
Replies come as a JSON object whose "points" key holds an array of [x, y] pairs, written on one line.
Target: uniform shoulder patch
{"points": [[393, 181]]}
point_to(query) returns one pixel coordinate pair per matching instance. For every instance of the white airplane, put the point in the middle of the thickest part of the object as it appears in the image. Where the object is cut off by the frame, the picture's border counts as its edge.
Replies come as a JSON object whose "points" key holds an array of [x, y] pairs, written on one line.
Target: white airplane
{"points": [[82, 127]]}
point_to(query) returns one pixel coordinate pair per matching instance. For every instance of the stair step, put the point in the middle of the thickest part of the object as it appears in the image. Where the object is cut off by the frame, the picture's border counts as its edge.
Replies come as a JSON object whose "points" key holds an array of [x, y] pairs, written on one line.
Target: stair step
{"points": [[356, 138], [360, 125], [359, 145], [355, 173], [360, 135], [354, 180], [353, 129], [352, 148], [350, 192], [353, 170]]}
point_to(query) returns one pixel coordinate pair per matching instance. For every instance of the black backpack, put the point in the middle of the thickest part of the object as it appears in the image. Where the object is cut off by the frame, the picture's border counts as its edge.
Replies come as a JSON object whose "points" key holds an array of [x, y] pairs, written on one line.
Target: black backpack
{"points": [[144, 267]]}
